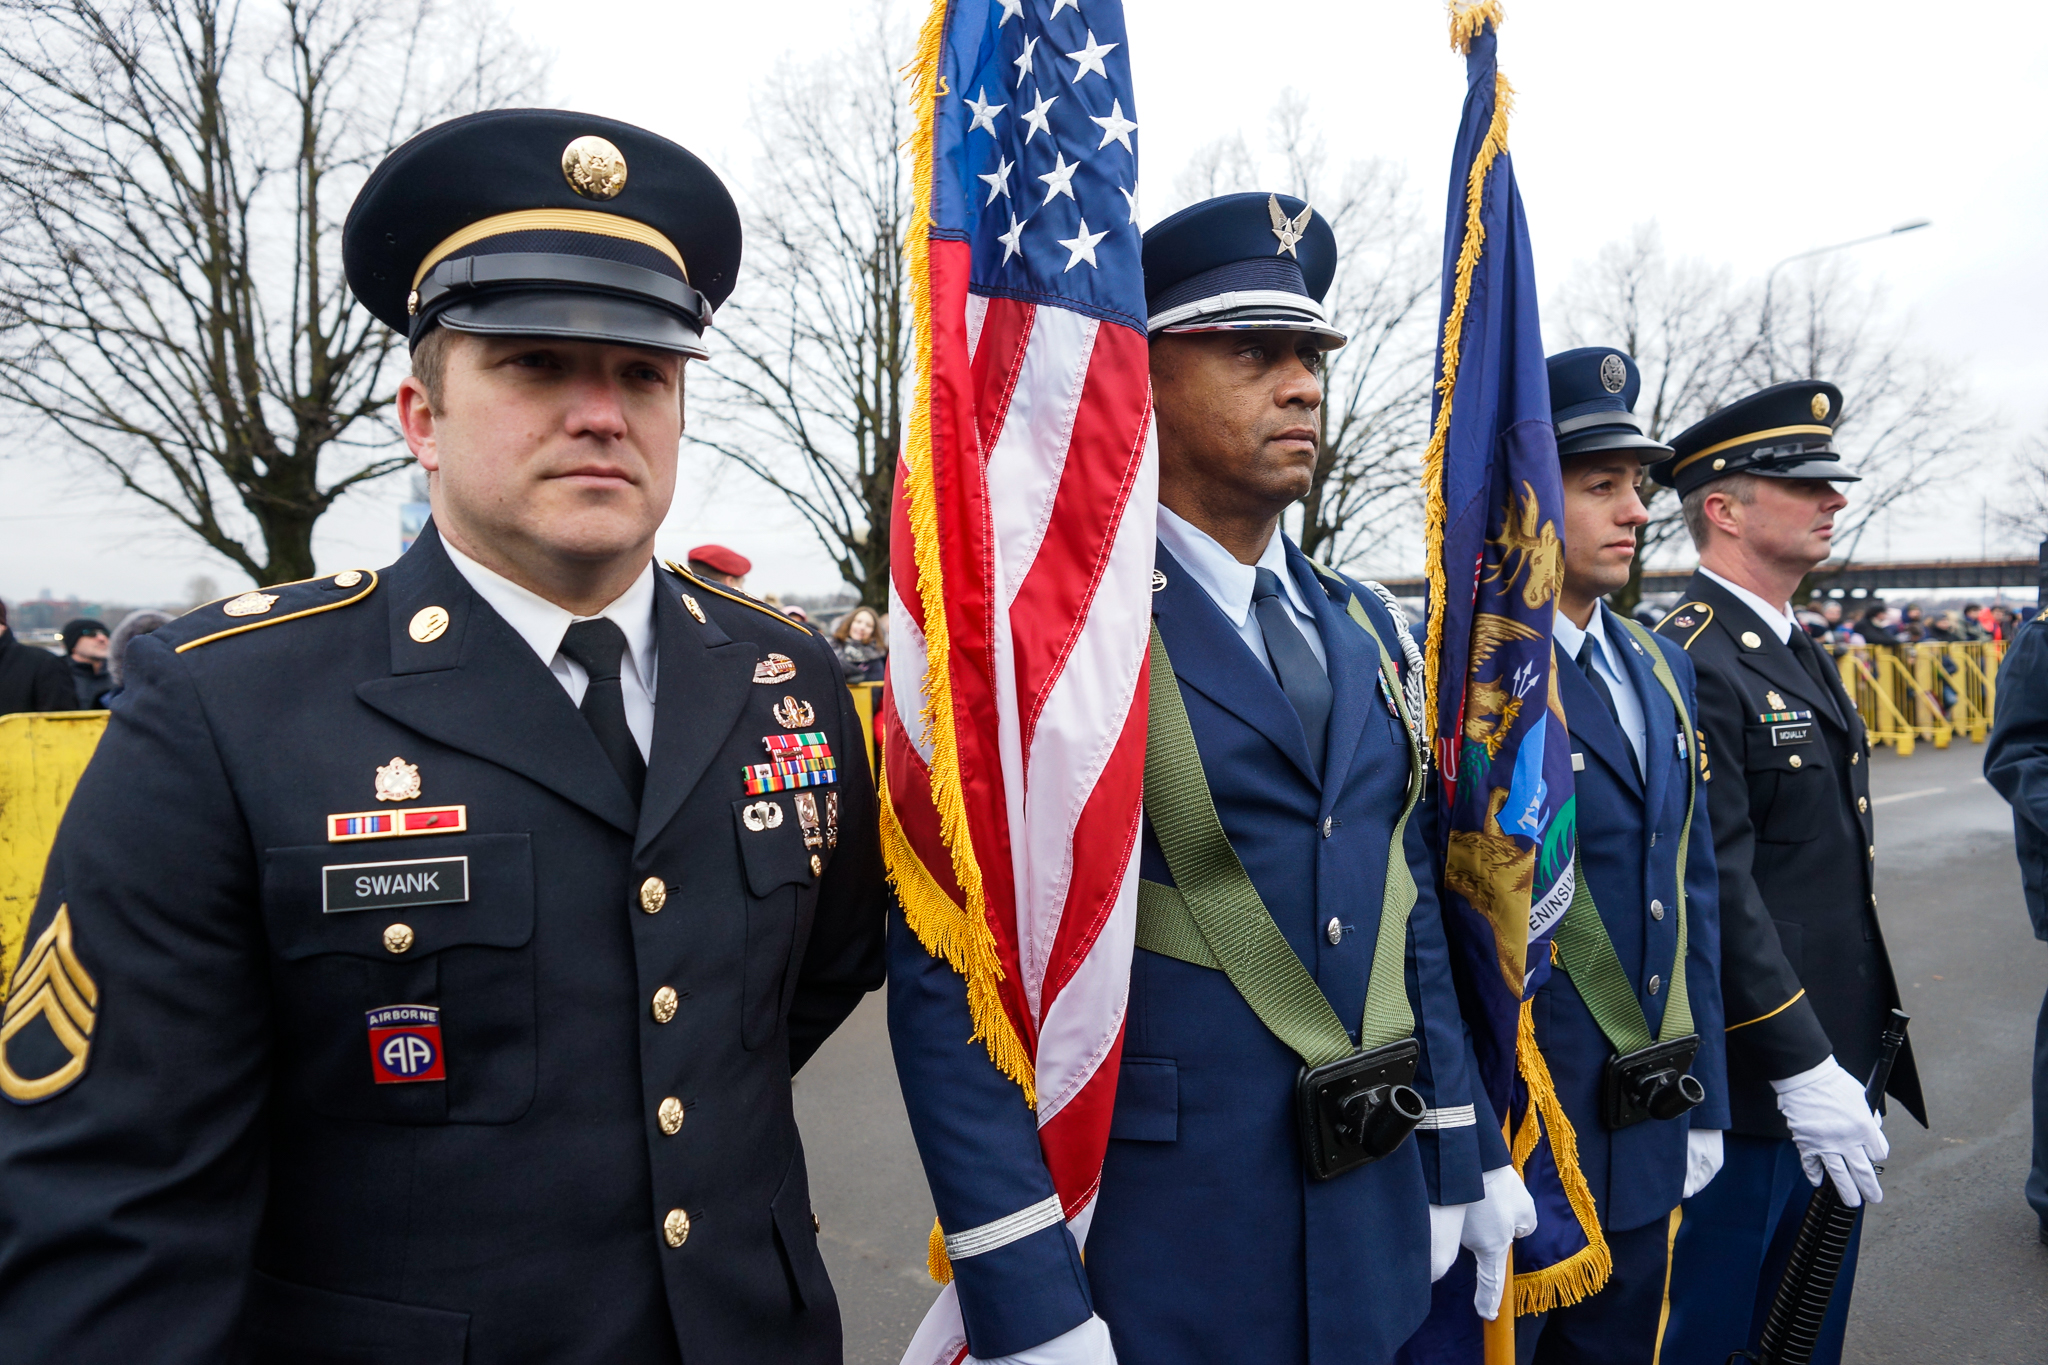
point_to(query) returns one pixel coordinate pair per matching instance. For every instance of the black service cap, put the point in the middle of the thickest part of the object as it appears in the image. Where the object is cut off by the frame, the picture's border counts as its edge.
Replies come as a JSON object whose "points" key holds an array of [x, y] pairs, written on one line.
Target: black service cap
{"points": [[1783, 432], [543, 222]]}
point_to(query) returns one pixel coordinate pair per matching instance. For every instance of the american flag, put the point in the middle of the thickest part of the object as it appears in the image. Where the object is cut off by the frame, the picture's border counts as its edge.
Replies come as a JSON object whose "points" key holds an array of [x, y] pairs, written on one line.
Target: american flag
{"points": [[1020, 585]]}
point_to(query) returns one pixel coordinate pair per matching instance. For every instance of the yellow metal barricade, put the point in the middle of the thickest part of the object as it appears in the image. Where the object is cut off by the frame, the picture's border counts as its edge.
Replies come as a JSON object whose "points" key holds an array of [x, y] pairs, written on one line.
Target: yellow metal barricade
{"points": [[1932, 691], [41, 757], [867, 696]]}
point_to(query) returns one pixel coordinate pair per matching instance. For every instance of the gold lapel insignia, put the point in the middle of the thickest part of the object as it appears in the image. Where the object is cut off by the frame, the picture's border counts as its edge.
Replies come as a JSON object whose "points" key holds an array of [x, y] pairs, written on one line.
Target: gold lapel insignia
{"points": [[762, 815], [792, 714], [1752, 640], [690, 605], [398, 780], [807, 816], [1775, 702], [428, 624], [250, 604], [776, 668], [53, 985]]}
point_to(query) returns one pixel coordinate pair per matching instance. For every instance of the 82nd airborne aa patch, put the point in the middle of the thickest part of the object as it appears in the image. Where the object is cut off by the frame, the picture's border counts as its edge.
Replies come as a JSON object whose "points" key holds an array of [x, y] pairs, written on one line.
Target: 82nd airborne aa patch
{"points": [[405, 1044]]}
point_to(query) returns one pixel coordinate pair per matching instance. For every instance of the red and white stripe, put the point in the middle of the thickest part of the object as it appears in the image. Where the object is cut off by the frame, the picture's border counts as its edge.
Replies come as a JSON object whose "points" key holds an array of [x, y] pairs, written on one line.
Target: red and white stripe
{"points": [[1047, 469]]}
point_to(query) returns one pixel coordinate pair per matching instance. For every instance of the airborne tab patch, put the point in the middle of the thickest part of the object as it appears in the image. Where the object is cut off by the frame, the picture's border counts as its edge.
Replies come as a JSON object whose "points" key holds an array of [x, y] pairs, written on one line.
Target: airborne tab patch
{"points": [[405, 1044], [51, 1010]]}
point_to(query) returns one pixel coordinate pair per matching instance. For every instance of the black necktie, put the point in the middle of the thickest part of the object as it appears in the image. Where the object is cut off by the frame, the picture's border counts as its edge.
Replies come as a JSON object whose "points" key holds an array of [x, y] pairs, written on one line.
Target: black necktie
{"points": [[1301, 677], [1588, 653], [1809, 656], [600, 646]]}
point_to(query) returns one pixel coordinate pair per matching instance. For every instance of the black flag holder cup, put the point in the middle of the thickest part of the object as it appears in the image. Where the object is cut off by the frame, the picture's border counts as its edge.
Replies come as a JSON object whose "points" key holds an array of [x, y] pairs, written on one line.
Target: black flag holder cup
{"points": [[1801, 1306]]}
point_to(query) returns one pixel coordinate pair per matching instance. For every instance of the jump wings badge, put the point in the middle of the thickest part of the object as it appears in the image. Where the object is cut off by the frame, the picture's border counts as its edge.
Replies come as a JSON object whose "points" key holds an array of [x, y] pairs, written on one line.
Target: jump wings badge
{"points": [[53, 986], [762, 815], [398, 780], [792, 714]]}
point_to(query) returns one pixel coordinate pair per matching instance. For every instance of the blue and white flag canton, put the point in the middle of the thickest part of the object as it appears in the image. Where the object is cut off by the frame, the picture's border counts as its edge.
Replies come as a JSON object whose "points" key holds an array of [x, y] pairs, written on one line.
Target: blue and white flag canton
{"points": [[1036, 118]]}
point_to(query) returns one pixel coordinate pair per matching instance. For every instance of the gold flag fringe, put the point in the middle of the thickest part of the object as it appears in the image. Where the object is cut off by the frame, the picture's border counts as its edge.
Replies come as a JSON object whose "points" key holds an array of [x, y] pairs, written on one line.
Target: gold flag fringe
{"points": [[960, 934], [1466, 24], [1585, 1271]]}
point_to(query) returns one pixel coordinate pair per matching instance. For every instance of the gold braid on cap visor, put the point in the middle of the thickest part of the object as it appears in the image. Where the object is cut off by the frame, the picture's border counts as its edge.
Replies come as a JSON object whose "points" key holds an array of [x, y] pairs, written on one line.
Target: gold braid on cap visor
{"points": [[1699, 455], [550, 220]]}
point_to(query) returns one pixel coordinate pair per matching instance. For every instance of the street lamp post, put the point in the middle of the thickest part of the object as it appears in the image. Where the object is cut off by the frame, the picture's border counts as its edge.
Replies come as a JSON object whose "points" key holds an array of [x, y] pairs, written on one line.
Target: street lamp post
{"points": [[1764, 331]]}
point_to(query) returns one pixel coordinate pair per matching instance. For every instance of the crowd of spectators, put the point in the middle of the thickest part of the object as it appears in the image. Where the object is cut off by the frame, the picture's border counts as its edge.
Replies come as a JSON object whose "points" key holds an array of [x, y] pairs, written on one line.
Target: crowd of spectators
{"points": [[1876, 623], [81, 676]]}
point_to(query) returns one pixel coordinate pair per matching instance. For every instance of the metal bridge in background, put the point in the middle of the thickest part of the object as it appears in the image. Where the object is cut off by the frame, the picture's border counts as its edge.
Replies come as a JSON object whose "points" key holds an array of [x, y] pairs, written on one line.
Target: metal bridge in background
{"points": [[1833, 579]]}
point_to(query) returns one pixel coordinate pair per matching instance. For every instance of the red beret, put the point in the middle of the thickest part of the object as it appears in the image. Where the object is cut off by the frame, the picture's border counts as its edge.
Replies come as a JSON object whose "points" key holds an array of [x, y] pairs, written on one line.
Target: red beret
{"points": [[724, 560]]}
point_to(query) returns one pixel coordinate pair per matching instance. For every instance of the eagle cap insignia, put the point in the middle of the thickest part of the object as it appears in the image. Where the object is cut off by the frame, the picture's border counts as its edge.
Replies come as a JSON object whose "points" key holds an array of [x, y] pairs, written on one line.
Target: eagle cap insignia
{"points": [[792, 714], [775, 668], [398, 780], [1613, 374], [1820, 407], [594, 167], [1288, 230]]}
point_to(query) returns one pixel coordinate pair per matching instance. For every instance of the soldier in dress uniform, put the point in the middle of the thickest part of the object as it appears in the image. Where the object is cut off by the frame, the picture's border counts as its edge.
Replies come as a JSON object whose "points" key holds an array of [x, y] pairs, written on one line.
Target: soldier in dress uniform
{"points": [[1805, 979], [1216, 1236], [423, 960]]}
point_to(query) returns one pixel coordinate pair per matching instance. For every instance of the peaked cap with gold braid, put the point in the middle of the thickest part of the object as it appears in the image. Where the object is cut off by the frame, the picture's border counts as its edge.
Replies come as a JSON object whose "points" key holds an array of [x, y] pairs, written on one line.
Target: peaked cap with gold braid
{"points": [[1784, 432]]}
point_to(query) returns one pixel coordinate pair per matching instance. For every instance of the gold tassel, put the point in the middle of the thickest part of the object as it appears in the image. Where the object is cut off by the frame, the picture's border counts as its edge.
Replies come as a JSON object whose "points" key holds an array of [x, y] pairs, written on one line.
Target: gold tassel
{"points": [[935, 1259], [964, 941], [1585, 1271], [1466, 23]]}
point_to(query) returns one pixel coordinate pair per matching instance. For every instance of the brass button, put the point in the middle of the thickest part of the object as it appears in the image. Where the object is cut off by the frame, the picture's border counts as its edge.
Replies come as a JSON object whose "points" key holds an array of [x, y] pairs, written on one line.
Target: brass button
{"points": [[653, 895], [1796, 761], [665, 1008], [398, 938], [347, 578], [675, 1229], [1656, 909], [1873, 850], [1854, 759], [816, 1227], [670, 1115], [817, 866], [1863, 804], [1656, 984]]}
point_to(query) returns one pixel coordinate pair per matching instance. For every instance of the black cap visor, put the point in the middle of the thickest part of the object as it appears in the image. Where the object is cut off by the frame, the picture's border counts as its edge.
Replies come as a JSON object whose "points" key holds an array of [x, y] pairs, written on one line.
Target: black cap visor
{"points": [[572, 315], [1821, 467], [1611, 438]]}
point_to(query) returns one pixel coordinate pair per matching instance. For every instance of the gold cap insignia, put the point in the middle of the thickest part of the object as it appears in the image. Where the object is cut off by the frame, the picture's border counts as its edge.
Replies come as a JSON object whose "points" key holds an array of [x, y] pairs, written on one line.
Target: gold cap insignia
{"points": [[762, 815], [250, 604], [1613, 374], [348, 578], [1820, 407], [594, 168], [52, 985], [398, 780], [792, 714], [776, 668], [428, 624]]}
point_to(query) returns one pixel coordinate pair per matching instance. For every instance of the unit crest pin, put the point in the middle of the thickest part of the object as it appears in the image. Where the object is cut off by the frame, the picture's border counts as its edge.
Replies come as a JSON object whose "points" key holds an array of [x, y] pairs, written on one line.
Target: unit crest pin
{"points": [[398, 780]]}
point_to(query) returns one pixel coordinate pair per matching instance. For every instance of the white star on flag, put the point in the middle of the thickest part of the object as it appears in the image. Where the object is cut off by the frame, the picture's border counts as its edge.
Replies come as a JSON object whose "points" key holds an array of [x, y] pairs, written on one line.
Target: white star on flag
{"points": [[1011, 9], [1082, 245], [1036, 117], [1130, 201], [998, 180], [1012, 246], [1058, 5], [1060, 179], [1023, 63], [1115, 127], [985, 113], [1090, 57]]}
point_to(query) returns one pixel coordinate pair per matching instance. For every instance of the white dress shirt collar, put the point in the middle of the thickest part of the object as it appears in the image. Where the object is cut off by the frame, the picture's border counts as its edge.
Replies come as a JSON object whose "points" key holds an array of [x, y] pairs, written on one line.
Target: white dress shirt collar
{"points": [[1778, 618], [542, 625], [1571, 641], [1229, 583]]}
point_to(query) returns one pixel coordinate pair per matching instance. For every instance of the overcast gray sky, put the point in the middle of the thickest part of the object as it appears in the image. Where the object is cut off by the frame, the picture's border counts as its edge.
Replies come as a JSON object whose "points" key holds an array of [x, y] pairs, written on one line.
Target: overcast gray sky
{"points": [[1748, 129]]}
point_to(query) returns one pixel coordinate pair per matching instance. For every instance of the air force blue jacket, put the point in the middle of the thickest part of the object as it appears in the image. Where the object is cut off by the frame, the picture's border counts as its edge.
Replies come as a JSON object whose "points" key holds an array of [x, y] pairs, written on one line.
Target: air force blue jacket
{"points": [[1209, 1242], [1629, 824]]}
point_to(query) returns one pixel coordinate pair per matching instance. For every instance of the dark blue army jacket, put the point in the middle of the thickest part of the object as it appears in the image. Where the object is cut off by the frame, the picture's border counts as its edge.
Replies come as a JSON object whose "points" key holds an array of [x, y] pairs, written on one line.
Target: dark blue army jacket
{"points": [[232, 1173], [1209, 1240]]}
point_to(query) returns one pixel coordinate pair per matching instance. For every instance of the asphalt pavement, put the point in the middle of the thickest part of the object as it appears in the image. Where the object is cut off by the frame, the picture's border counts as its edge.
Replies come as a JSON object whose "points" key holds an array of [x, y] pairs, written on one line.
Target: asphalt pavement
{"points": [[1952, 1270]]}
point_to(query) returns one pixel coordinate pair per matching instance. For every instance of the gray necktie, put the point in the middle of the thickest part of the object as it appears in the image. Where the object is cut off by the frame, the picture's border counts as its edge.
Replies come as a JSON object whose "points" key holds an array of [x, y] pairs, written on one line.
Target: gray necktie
{"points": [[1301, 675]]}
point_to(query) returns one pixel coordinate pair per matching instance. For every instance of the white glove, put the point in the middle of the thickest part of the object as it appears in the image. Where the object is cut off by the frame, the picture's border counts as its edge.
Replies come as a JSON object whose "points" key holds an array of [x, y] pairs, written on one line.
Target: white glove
{"points": [[1703, 1157], [1489, 1228], [1087, 1344], [1835, 1130]]}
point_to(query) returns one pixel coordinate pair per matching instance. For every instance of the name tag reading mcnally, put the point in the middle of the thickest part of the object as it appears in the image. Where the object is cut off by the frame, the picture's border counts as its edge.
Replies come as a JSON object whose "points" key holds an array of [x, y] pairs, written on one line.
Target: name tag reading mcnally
{"points": [[388, 886], [1801, 733]]}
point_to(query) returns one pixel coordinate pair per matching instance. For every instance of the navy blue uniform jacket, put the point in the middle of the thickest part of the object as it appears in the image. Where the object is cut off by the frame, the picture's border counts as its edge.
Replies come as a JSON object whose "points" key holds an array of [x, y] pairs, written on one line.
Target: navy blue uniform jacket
{"points": [[226, 1181], [2016, 760], [1209, 1241], [1629, 825]]}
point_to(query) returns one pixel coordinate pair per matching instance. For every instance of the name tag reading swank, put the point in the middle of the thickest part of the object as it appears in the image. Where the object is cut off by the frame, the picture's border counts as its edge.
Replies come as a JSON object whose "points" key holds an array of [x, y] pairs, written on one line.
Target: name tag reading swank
{"points": [[391, 885]]}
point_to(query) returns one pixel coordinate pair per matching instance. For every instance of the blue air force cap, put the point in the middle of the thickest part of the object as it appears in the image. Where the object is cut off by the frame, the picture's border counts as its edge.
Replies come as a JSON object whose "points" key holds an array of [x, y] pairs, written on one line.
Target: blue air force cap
{"points": [[1593, 392], [1784, 432], [1241, 262], [542, 222]]}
